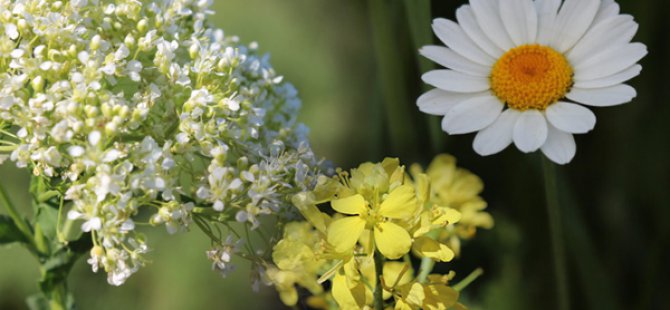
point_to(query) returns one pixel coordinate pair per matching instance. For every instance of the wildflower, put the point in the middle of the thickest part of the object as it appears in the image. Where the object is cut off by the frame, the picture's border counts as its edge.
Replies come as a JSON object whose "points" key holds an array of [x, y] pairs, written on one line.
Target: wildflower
{"points": [[453, 193], [221, 255], [376, 215], [523, 71], [148, 108]]}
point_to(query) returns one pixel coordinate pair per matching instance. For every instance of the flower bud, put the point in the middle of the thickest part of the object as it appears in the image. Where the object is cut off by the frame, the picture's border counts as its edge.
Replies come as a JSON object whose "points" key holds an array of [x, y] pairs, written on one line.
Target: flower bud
{"points": [[142, 26], [37, 83], [95, 42]]}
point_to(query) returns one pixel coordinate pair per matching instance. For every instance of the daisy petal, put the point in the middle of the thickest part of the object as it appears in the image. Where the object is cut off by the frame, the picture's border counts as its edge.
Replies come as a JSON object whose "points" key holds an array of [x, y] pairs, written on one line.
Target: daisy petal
{"points": [[572, 21], [452, 60], [610, 61], [547, 10], [611, 33], [603, 97], [608, 8], [344, 233], [466, 18], [570, 117], [439, 102], [611, 80], [520, 19], [472, 115], [487, 14], [392, 240], [455, 38], [530, 131], [560, 146], [498, 136], [456, 81]]}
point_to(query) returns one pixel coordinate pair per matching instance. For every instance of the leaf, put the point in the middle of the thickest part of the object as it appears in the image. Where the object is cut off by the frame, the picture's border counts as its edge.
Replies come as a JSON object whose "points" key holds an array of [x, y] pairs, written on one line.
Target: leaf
{"points": [[37, 302], [9, 233], [47, 218]]}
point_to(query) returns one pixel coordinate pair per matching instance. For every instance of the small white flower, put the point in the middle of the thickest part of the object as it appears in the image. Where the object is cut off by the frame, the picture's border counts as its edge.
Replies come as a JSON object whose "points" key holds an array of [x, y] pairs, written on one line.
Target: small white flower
{"points": [[12, 31], [92, 224], [522, 71]]}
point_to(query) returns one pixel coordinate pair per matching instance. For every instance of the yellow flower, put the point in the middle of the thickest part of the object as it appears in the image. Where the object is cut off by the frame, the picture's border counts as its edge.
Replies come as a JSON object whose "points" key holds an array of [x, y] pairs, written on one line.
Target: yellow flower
{"points": [[434, 295], [452, 188], [354, 283], [296, 262], [391, 239]]}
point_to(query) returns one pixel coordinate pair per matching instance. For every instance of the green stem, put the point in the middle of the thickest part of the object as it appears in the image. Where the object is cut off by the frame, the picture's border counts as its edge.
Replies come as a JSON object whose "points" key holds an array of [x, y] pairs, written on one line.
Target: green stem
{"points": [[426, 267], [469, 279], [379, 290], [556, 231], [392, 75], [18, 221], [419, 18]]}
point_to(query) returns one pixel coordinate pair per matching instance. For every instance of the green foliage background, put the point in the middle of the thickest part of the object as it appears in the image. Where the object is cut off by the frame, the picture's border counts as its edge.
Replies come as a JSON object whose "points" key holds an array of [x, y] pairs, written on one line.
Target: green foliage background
{"points": [[615, 193]]}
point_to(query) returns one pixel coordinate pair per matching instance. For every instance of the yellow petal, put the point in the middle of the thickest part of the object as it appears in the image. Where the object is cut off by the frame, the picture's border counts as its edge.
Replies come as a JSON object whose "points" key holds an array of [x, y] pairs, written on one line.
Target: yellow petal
{"points": [[416, 295], [351, 205], [344, 233], [393, 270], [392, 240], [401, 203], [401, 305], [390, 164], [304, 203], [446, 216], [439, 296], [290, 255], [427, 247], [343, 295], [422, 187]]}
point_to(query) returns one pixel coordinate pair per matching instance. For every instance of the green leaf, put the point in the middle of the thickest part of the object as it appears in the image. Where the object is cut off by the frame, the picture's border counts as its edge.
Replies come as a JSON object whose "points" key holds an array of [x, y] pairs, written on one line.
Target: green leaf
{"points": [[9, 233], [37, 302], [47, 218]]}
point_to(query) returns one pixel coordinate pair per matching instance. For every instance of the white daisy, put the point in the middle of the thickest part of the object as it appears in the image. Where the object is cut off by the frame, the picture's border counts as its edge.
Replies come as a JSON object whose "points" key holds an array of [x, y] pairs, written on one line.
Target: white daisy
{"points": [[521, 71]]}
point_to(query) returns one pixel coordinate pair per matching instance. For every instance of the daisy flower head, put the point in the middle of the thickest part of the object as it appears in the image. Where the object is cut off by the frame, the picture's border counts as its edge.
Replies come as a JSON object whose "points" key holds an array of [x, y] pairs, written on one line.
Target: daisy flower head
{"points": [[526, 71]]}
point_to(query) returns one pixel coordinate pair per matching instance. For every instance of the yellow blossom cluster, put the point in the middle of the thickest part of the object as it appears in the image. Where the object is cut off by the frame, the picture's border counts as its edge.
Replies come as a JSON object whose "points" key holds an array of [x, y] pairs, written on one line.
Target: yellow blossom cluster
{"points": [[364, 229]]}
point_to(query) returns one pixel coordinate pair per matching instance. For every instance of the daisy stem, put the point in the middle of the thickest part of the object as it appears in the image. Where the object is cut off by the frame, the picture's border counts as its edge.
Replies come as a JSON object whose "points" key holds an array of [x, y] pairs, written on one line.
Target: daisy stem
{"points": [[419, 18], [379, 290], [392, 75], [556, 232]]}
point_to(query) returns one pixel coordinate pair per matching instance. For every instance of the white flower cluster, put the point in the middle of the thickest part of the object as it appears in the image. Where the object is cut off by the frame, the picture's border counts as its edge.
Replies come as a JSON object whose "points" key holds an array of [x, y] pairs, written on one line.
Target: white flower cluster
{"points": [[130, 104]]}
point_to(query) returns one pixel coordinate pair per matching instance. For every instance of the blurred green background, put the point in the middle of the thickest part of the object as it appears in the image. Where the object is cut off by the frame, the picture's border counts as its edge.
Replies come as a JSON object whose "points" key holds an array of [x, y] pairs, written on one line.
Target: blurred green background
{"points": [[615, 194]]}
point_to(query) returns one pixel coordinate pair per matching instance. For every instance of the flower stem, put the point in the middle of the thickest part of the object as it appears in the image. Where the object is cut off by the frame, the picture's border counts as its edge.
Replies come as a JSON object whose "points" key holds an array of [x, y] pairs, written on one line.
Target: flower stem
{"points": [[392, 74], [379, 290], [419, 18], [469, 279], [556, 231]]}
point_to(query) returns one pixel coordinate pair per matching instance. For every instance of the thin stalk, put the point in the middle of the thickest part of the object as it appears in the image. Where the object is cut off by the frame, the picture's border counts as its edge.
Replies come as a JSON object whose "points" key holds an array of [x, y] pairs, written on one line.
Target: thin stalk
{"points": [[379, 290], [392, 74], [419, 18], [556, 232], [469, 279], [426, 267]]}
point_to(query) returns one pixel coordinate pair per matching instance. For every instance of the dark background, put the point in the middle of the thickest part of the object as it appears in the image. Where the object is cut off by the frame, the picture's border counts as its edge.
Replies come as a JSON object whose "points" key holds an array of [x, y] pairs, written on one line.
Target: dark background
{"points": [[615, 195]]}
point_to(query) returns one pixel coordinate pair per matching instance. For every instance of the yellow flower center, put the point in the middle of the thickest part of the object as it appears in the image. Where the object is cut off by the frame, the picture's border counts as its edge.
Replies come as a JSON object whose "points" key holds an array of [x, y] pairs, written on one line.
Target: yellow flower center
{"points": [[531, 77]]}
